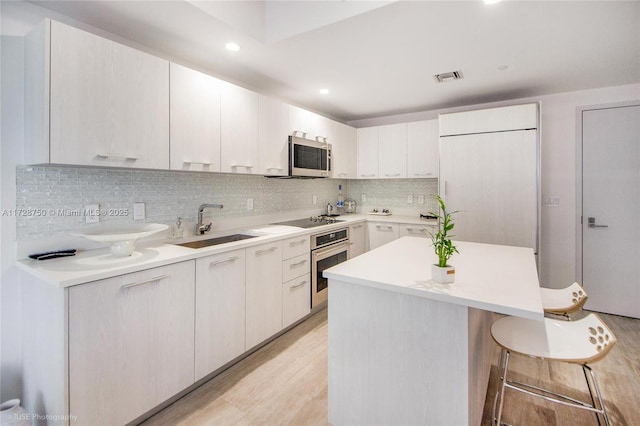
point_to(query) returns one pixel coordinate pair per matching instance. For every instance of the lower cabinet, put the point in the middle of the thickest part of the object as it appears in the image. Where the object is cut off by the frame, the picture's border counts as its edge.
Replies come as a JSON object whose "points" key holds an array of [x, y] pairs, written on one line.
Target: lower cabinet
{"points": [[381, 233], [417, 230], [296, 276], [131, 343], [357, 239], [263, 292], [220, 309]]}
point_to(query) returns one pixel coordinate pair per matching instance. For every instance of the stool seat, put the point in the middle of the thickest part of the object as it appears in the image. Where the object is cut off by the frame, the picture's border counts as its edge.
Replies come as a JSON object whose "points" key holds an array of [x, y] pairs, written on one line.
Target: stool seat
{"points": [[563, 301], [582, 341]]}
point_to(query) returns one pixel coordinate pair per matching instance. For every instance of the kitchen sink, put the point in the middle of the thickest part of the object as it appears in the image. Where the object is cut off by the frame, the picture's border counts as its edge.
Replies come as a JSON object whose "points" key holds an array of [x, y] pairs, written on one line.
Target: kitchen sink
{"points": [[216, 241]]}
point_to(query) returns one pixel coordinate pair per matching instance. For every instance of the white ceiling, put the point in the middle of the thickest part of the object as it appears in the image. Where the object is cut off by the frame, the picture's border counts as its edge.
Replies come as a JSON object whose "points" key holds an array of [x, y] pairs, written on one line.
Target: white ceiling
{"points": [[378, 58]]}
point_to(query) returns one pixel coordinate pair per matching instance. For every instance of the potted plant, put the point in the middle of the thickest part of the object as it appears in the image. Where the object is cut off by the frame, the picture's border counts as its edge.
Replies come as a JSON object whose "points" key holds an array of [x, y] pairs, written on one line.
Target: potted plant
{"points": [[442, 272]]}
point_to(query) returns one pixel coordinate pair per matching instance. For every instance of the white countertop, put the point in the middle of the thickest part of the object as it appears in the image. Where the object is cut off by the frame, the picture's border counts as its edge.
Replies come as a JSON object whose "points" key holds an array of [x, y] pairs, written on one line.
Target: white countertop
{"points": [[92, 265], [501, 279]]}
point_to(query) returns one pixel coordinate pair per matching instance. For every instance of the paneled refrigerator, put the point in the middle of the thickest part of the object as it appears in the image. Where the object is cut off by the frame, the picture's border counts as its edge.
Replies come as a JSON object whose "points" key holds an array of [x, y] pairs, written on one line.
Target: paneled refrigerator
{"points": [[490, 174]]}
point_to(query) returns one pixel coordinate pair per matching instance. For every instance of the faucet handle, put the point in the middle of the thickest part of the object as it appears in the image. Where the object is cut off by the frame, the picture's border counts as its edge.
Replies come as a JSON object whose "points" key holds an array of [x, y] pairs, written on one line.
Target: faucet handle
{"points": [[204, 228]]}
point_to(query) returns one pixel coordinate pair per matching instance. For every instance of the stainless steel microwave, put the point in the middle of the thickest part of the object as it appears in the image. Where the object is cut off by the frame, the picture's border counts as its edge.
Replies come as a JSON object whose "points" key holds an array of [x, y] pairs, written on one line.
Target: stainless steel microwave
{"points": [[309, 158]]}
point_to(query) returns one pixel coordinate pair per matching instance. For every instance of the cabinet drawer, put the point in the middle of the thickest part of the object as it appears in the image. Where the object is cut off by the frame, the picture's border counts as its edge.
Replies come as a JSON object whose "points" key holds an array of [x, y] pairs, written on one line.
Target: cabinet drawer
{"points": [[296, 300], [416, 230], [295, 267], [296, 246]]}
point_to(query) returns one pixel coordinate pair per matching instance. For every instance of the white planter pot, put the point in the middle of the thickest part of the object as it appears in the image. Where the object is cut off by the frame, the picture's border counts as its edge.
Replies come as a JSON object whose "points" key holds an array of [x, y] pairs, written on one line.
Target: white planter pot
{"points": [[444, 275]]}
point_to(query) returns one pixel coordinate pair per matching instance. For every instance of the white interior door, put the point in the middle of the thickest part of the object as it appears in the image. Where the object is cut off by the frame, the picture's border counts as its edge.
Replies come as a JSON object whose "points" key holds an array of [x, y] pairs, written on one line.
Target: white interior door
{"points": [[611, 209]]}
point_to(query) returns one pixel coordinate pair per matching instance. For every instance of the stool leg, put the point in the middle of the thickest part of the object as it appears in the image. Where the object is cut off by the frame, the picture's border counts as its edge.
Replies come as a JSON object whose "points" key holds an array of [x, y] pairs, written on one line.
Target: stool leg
{"points": [[504, 382], [495, 398], [598, 394]]}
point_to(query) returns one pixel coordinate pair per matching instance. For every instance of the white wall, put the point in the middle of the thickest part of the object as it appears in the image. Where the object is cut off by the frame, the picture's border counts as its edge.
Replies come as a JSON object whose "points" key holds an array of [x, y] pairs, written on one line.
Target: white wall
{"points": [[559, 151], [11, 119]]}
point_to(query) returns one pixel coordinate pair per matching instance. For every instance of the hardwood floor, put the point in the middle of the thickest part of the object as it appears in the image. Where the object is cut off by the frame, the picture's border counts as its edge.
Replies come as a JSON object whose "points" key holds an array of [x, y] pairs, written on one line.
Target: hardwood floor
{"points": [[285, 383]]}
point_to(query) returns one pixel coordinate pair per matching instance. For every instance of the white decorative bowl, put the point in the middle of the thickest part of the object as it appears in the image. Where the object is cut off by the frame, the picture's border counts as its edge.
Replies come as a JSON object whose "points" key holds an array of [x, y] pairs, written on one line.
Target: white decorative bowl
{"points": [[121, 238]]}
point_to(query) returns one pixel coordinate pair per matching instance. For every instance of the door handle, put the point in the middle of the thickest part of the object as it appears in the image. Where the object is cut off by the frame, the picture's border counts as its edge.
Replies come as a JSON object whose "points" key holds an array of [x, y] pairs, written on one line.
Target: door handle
{"points": [[592, 223]]}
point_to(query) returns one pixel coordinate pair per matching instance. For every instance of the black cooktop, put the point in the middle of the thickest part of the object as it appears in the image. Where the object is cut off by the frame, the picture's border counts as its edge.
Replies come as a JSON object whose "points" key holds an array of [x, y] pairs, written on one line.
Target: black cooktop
{"points": [[310, 222]]}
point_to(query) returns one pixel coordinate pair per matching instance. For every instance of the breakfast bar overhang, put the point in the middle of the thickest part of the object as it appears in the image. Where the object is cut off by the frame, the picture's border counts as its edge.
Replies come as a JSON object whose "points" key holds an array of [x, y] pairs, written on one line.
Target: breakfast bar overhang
{"points": [[404, 350]]}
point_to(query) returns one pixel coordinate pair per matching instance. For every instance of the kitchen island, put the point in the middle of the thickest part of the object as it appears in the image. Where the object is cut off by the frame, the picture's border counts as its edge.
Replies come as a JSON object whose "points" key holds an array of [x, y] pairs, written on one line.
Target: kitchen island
{"points": [[406, 350]]}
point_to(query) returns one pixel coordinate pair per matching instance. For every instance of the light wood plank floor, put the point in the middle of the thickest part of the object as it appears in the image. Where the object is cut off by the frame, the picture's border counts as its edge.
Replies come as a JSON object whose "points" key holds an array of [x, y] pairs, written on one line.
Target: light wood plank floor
{"points": [[285, 383]]}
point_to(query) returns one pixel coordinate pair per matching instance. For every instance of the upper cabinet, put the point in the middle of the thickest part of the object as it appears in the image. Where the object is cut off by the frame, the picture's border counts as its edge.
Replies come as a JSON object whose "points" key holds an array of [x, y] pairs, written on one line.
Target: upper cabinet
{"points": [[195, 120], [239, 151], [314, 126], [273, 129], [392, 151], [344, 147], [367, 152], [91, 101], [422, 149], [406, 150]]}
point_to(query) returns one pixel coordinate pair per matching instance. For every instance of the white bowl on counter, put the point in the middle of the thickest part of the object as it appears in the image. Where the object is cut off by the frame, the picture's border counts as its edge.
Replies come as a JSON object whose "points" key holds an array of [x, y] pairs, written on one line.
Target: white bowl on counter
{"points": [[121, 238]]}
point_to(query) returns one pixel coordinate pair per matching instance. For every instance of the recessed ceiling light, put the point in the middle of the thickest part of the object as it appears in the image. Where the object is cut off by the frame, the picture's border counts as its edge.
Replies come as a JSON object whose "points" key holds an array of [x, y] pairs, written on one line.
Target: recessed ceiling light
{"points": [[503, 67], [324, 91], [491, 1], [231, 46]]}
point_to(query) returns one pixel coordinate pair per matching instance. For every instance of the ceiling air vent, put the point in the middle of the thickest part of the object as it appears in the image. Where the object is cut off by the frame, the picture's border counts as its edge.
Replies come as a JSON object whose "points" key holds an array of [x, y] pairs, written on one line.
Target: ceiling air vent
{"points": [[448, 76]]}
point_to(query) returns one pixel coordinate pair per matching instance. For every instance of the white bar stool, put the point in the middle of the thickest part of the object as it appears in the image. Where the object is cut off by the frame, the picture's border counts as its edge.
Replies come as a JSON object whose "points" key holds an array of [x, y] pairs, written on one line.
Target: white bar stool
{"points": [[580, 342], [563, 301]]}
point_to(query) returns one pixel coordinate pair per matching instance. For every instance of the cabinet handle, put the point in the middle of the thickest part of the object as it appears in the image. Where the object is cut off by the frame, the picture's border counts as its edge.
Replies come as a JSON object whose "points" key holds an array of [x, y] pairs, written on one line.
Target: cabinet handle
{"points": [[423, 174], [293, 287], [304, 134], [393, 175], [295, 265], [204, 163], [121, 156], [152, 280], [247, 166], [264, 251], [343, 174], [275, 168], [371, 175], [219, 262], [297, 243], [356, 226], [387, 227], [321, 139]]}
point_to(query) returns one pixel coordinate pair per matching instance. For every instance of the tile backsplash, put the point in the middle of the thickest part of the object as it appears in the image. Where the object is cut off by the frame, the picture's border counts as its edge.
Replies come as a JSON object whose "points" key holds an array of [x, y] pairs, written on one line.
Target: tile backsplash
{"points": [[51, 199]]}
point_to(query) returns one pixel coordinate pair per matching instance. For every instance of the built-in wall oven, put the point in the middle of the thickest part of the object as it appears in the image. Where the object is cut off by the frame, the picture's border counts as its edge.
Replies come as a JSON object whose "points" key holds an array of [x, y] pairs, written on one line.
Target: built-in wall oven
{"points": [[327, 250]]}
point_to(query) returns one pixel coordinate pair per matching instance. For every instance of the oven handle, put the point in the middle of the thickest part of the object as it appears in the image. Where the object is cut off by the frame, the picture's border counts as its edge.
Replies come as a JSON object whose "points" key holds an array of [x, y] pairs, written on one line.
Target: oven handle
{"points": [[330, 250]]}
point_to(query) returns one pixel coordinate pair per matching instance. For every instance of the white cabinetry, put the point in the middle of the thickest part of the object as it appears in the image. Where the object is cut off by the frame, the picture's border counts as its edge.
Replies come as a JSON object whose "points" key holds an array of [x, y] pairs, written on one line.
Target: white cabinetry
{"points": [[273, 130], [91, 101], [367, 152], [416, 230], [296, 276], [263, 292], [131, 343], [344, 147], [195, 120], [357, 239], [422, 149], [381, 233], [313, 125], [220, 310], [392, 151], [239, 151]]}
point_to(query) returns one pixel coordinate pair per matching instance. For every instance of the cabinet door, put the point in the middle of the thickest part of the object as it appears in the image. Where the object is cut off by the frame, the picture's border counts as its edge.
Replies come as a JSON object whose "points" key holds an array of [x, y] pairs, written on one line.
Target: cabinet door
{"points": [[381, 233], [130, 343], [300, 121], [367, 152], [273, 134], [344, 146], [195, 120], [220, 310], [422, 149], [296, 246], [392, 151], [296, 299], [424, 231], [264, 292], [358, 239], [109, 103], [239, 146]]}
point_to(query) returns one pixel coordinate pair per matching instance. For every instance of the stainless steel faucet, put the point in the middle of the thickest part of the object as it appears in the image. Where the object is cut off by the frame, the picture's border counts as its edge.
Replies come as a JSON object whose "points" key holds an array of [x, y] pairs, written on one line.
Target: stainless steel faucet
{"points": [[201, 228]]}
